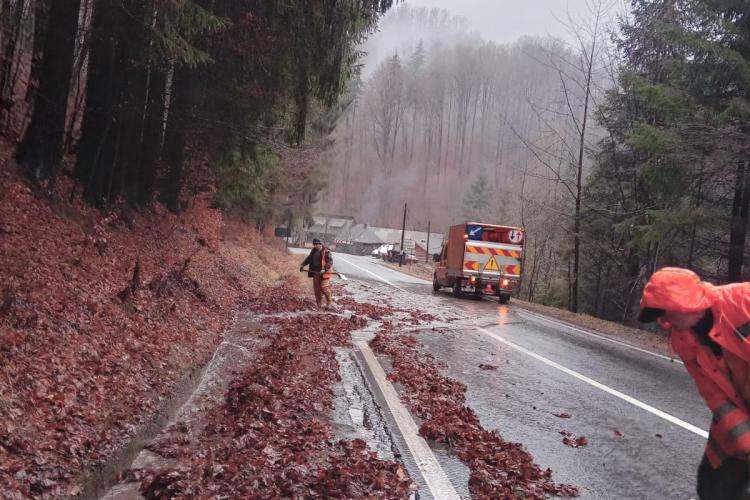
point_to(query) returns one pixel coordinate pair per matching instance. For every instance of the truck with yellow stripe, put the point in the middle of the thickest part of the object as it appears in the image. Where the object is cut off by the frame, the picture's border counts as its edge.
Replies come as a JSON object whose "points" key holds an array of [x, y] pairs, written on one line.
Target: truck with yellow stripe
{"points": [[483, 259]]}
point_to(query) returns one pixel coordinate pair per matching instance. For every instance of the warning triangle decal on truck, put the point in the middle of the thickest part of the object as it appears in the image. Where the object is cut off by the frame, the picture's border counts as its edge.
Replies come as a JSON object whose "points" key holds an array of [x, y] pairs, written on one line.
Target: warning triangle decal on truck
{"points": [[491, 265]]}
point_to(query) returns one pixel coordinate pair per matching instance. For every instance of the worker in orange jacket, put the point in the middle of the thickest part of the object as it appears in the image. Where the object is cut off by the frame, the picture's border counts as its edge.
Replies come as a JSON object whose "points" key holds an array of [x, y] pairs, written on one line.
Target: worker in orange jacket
{"points": [[320, 262], [710, 330]]}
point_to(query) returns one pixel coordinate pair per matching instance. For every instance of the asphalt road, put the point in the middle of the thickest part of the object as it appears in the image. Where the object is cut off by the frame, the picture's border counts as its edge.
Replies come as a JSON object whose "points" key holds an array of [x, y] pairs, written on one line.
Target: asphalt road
{"points": [[640, 411]]}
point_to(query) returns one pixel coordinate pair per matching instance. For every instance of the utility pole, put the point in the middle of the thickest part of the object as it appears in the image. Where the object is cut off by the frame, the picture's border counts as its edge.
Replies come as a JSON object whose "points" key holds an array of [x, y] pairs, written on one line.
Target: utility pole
{"points": [[427, 250], [403, 230]]}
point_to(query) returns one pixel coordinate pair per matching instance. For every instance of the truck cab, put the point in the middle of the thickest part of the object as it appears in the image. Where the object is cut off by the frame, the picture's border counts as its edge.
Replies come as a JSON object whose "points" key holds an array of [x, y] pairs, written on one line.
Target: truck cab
{"points": [[481, 258]]}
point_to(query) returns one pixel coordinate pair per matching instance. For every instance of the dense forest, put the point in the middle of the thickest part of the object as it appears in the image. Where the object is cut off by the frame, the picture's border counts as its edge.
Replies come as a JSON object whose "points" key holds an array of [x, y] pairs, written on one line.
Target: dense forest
{"points": [[620, 149], [146, 146], [155, 100]]}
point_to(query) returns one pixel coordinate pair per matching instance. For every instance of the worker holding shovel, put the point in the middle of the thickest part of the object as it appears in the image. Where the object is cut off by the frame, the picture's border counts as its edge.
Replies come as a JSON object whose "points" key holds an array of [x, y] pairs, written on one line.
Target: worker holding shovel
{"points": [[320, 264], [710, 330]]}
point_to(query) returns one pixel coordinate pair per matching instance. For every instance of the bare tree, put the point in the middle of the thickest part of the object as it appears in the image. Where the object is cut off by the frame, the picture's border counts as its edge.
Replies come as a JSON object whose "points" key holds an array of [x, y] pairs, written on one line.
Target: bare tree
{"points": [[386, 92], [577, 75]]}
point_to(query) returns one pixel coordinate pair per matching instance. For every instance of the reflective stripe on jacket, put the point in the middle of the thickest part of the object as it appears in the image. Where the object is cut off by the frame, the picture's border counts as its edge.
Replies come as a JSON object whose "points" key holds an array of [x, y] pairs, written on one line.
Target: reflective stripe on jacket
{"points": [[326, 265], [723, 381]]}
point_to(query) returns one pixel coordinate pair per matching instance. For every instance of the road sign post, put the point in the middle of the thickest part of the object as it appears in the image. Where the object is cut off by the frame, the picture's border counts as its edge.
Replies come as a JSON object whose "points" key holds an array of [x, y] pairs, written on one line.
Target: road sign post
{"points": [[403, 230], [427, 249]]}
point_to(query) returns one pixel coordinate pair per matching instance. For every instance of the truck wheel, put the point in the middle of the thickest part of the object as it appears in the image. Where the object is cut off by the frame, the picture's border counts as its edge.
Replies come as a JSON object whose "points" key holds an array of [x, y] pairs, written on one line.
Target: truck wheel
{"points": [[504, 298], [435, 283], [457, 288]]}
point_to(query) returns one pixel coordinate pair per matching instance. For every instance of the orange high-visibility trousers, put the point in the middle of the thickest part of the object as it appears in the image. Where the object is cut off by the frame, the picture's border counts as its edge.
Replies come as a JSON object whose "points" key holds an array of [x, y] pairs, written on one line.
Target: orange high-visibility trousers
{"points": [[322, 288]]}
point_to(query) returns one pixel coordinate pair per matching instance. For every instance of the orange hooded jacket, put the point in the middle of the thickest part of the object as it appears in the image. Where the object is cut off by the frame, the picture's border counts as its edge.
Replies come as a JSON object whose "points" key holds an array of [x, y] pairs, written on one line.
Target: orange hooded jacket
{"points": [[723, 381]]}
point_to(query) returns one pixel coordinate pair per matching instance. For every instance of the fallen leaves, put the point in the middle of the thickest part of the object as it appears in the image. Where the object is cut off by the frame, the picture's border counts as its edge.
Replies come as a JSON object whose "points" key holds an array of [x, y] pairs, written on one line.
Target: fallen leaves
{"points": [[272, 435], [488, 367], [80, 368], [574, 442], [365, 309], [499, 469]]}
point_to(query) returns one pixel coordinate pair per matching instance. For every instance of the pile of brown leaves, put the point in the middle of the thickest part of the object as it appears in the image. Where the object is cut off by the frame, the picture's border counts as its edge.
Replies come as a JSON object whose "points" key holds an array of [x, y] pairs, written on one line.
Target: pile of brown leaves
{"points": [[499, 469], [100, 315], [283, 298], [272, 434], [363, 308]]}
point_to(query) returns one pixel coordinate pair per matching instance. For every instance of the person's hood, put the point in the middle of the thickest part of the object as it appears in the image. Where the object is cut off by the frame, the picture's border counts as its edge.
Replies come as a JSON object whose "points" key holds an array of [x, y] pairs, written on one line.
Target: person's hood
{"points": [[676, 289]]}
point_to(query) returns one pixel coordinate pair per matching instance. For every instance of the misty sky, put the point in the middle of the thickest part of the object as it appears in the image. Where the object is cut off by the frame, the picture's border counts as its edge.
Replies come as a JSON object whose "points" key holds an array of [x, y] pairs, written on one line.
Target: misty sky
{"points": [[504, 21]]}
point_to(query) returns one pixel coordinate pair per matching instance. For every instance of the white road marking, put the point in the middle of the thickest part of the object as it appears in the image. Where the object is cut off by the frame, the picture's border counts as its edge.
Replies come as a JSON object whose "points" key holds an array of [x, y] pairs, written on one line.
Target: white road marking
{"points": [[437, 481], [542, 318], [629, 399], [372, 273], [601, 337]]}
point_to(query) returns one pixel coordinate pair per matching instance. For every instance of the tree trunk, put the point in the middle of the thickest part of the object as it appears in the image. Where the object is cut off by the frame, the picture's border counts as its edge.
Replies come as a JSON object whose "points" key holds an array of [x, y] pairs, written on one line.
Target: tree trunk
{"points": [[11, 25], [22, 41], [41, 150], [150, 107], [738, 228], [693, 229], [579, 176], [440, 139], [302, 100], [413, 134], [151, 138], [448, 137], [96, 153], [77, 103], [110, 153], [175, 139]]}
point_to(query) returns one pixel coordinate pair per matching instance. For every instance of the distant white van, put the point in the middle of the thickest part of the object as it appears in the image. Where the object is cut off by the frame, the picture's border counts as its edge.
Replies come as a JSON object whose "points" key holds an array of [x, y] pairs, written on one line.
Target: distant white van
{"points": [[381, 250]]}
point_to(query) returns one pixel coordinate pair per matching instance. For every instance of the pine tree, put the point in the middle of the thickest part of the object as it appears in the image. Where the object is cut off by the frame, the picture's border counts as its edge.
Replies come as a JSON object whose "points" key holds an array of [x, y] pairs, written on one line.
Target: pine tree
{"points": [[669, 172], [477, 203]]}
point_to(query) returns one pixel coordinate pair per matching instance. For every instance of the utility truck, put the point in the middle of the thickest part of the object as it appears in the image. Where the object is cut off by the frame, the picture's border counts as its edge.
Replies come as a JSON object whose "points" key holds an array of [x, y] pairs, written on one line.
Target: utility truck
{"points": [[480, 258]]}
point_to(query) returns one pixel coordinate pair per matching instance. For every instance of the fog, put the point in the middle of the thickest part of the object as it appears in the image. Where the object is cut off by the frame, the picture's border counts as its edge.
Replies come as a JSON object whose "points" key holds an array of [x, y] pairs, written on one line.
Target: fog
{"points": [[505, 21], [471, 111], [501, 21]]}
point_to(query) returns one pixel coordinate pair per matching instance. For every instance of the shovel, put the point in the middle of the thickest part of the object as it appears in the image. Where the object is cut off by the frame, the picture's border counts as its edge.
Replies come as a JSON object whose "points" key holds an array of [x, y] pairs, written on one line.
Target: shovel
{"points": [[343, 278]]}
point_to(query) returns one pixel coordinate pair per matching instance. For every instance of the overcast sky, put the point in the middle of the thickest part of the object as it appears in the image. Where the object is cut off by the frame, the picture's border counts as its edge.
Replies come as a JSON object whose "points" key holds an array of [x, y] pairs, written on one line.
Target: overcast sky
{"points": [[504, 21]]}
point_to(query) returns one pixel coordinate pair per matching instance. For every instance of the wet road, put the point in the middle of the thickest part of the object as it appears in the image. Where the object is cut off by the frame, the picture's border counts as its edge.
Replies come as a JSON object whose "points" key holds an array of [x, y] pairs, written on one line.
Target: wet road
{"points": [[640, 412]]}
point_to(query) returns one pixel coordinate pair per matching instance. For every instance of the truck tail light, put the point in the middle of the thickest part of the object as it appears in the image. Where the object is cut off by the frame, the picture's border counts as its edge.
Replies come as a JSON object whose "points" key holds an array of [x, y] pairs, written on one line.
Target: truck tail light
{"points": [[505, 283], [473, 280], [466, 237]]}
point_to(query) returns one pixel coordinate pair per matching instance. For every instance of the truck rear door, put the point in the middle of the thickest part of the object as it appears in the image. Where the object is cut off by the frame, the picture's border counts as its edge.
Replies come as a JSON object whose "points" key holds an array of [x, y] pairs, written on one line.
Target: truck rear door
{"points": [[492, 259], [493, 252]]}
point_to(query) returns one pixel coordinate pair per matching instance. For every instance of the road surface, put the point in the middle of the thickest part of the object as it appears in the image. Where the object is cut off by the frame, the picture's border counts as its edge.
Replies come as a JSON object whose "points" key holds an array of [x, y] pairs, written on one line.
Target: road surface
{"points": [[644, 420]]}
